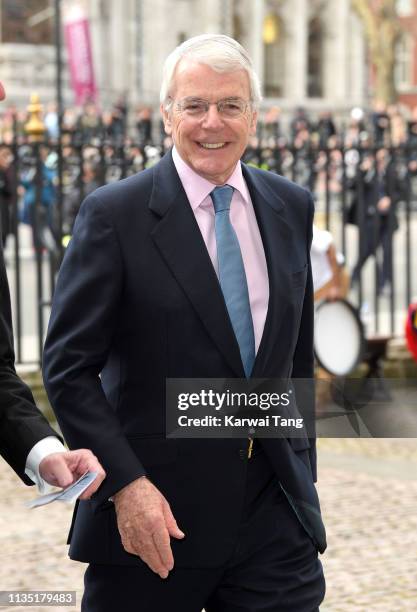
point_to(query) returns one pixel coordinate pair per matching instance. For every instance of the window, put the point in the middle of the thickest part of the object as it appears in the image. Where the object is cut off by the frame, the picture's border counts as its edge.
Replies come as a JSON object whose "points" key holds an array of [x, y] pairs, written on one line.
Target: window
{"points": [[403, 62], [16, 26], [315, 59]]}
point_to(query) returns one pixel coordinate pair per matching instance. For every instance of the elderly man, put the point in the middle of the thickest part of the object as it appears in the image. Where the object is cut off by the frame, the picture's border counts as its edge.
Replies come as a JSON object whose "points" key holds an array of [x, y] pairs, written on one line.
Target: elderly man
{"points": [[27, 442], [196, 268]]}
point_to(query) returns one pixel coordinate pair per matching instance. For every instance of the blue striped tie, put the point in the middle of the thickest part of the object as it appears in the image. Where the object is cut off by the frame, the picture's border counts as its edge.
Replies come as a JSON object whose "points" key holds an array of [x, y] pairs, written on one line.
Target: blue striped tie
{"points": [[232, 276]]}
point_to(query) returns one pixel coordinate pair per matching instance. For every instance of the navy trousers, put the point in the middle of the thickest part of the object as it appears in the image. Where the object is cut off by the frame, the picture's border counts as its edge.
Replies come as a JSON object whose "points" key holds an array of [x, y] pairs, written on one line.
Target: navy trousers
{"points": [[274, 567]]}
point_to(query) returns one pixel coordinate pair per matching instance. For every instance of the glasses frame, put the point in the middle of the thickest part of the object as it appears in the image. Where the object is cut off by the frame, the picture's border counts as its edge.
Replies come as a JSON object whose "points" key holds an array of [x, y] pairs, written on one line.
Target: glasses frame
{"points": [[179, 107]]}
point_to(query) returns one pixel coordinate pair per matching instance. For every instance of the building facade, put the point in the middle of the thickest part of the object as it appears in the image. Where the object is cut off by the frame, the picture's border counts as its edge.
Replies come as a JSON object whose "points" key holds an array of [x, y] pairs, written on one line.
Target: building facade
{"points": [[406, 54], [308, 53]]}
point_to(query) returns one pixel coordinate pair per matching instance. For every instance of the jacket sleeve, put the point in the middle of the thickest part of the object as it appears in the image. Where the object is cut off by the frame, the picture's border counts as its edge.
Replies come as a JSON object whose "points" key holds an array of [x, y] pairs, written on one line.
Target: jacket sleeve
{"points": [[82, 324], [22, 425]]}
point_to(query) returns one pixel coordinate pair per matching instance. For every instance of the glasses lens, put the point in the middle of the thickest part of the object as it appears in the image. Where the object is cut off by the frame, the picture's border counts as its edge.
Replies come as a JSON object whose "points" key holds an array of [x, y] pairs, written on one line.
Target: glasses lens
{"points": [[194, 107], [232, 107]]}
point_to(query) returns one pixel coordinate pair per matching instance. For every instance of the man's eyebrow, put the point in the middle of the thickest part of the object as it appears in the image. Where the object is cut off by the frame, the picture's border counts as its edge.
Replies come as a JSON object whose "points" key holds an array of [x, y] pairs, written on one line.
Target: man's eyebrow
{"points": [[193, 99], [232, 99], [197, 99]]}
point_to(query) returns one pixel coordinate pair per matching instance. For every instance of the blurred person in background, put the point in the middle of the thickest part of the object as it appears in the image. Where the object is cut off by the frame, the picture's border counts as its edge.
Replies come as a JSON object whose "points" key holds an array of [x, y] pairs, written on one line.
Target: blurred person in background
{"points": [[51, 122], [356, 128], [380, 124], [144, 125], [398, 126], [109, 131], [375, 214], [120, 112], [89, 126], [330, 279], [271, 128], [330, 282], [69, 124], [81, 189], [412, 128], [299, 123], [6, 194], [41, 216], [325, 128]]}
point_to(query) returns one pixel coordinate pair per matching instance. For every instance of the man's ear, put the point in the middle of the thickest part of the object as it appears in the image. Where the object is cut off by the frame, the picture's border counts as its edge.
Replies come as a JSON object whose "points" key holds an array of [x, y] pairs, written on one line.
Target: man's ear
{"points": [[166, 118]]}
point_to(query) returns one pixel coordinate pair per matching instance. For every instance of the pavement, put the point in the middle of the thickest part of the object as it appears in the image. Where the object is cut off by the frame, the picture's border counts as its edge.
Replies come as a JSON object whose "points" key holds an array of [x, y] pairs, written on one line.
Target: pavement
{"points": [[368, 491]]}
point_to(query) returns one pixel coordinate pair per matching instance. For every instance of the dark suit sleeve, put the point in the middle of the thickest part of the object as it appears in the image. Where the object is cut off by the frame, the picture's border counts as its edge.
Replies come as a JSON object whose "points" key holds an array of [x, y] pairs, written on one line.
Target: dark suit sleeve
{"points": [[303, 359], [83, 321], [21, 424]]}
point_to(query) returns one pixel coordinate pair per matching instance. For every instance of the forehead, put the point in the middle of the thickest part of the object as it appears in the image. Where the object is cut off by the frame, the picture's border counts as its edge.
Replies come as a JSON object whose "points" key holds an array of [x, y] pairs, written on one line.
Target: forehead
{"points": [[199, 80]]}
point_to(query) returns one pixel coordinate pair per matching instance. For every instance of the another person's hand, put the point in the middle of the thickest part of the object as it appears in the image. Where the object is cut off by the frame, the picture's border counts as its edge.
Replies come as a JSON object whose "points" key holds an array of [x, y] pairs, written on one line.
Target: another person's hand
{"points": [[62, 469], [2, 92], [145, 523]]}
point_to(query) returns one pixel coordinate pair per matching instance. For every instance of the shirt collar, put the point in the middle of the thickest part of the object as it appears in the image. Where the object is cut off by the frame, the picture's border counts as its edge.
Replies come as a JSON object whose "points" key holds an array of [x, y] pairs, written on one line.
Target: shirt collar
{"points": [[198, 188]]}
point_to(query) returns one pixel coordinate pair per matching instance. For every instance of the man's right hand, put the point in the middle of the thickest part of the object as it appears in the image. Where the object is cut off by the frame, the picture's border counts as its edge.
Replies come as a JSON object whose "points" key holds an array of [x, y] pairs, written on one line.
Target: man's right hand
{"points": [[145, 523]]}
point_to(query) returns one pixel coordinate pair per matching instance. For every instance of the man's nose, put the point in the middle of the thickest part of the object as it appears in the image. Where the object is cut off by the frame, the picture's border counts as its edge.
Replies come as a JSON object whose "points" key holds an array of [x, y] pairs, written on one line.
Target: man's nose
{"points": [[212, 119]]}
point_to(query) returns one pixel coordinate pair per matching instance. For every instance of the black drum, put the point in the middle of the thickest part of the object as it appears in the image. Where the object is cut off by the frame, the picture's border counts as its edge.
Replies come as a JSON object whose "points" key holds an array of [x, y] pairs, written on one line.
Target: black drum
{"points": [[339, 340]]}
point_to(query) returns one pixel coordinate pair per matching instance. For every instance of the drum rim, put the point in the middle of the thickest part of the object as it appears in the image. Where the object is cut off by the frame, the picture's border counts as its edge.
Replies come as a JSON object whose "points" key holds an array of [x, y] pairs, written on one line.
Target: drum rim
{"points": [[362, 344]]}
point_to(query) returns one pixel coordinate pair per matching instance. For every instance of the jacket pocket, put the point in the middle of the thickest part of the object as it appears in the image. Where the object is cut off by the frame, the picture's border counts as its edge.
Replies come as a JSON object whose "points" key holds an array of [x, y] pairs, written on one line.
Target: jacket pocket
{"points": [[299, 278]]}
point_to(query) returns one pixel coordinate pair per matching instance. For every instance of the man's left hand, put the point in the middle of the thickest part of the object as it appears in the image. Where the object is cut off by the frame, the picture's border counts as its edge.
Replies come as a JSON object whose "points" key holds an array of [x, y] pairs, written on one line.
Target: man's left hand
{"points": [[62, 469]]}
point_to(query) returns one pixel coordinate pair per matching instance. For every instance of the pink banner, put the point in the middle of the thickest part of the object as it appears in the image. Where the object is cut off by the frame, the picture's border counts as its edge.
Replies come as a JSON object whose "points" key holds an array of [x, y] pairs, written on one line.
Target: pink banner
{"points": [[80, 59]]}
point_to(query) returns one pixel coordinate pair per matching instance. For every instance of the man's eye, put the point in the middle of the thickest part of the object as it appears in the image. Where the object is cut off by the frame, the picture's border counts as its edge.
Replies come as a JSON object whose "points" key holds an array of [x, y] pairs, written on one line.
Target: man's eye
{"points": [[194, 107], [232, 107]]}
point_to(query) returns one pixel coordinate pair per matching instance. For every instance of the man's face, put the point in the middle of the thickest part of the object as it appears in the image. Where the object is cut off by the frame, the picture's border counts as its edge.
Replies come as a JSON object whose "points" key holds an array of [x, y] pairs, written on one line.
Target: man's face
{"points": [[191, 135]]}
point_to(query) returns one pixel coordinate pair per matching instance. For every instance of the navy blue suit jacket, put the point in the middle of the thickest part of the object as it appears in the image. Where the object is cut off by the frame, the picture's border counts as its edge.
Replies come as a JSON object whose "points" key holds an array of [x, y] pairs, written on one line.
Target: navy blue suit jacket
{"points": [[137, 301]]}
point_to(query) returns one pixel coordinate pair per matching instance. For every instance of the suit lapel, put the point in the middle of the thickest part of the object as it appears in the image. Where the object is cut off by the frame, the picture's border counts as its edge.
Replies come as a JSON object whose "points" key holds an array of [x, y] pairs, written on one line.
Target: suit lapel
{"points": [[178, 238], [277, 242]]}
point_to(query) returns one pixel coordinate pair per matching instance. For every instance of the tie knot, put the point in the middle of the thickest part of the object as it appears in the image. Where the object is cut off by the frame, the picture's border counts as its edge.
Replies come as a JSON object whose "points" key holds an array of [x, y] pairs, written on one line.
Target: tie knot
{"points": [[222, 197]]}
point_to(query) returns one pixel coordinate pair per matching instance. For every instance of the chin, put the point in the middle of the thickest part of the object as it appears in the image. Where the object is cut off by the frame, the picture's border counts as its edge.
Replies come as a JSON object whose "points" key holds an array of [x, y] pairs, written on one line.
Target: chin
{"points": [[215, 175]]}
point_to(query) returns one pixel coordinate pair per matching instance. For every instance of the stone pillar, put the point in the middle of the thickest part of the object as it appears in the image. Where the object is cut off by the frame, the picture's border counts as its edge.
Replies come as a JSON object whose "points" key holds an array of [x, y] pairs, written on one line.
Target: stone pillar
{"points": [[356, 58], [254, 24], [226, 17], [336, 51], [158, 40], [119, 43], [210, 16], [99, 13], [296, 20]]}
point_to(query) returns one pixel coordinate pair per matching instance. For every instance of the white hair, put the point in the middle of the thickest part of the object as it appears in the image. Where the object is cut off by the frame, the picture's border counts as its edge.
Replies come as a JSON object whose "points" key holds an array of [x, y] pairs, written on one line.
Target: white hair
{"points": [[219, 52]]}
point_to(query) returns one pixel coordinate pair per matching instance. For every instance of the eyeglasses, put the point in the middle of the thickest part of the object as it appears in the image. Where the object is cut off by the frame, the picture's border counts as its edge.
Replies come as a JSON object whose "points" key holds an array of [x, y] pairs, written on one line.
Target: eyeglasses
{"points": [[228, 107]]}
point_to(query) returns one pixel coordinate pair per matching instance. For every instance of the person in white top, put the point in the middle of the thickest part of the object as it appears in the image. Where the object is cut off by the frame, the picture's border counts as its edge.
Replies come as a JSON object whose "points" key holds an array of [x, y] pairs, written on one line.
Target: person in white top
{"points": [[330, 279]]}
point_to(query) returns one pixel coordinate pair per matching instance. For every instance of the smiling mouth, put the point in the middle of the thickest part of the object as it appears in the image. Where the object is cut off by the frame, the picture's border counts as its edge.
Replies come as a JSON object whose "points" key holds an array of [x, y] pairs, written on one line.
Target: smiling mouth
{"points": [[212, 145]]}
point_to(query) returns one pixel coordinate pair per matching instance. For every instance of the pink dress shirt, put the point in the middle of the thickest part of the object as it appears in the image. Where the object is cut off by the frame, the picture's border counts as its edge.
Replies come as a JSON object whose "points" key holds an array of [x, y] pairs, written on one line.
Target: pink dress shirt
{"points": [[243, 219]]}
